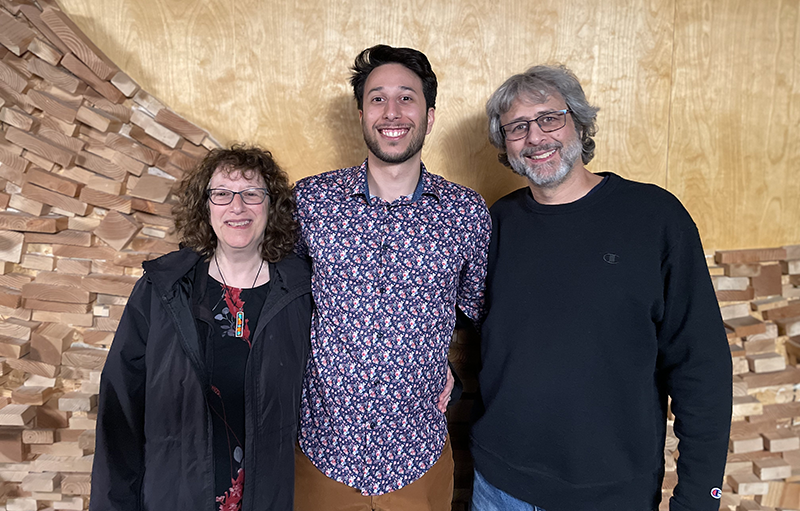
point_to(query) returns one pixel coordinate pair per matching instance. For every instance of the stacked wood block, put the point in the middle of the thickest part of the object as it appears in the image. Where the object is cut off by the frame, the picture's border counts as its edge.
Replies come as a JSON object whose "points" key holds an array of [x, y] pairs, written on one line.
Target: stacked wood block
{"points": [[88, 163], [760, 305]]}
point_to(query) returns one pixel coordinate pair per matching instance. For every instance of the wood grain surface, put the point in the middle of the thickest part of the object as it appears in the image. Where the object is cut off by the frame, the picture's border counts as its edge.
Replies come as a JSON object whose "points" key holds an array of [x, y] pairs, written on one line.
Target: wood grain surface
{"points": [[679, 82]]}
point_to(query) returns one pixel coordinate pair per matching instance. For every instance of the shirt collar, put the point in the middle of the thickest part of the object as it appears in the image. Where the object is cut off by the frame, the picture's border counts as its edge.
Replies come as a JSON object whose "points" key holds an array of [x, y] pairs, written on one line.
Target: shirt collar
{"points": [[358, 186]]}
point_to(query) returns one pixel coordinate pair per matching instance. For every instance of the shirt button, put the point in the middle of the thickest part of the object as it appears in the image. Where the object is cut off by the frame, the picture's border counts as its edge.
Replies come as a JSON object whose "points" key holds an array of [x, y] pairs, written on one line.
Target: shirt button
{"points": [[379, 335], [372, 425], [381, 290]]}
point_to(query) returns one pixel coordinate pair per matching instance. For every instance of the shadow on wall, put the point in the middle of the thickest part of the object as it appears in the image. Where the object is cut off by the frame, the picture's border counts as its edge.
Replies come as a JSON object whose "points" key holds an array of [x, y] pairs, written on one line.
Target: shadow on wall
{"points": [[472, 159], [344, 128]]}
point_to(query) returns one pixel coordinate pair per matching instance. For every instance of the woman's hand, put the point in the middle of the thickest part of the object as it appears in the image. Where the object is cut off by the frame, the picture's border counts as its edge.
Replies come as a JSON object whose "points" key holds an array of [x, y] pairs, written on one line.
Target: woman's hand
{"points": [[444, 397]]}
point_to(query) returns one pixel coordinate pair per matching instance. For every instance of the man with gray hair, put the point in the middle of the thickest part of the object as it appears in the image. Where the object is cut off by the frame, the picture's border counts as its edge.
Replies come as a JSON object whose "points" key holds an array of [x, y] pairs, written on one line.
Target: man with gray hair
{"points": [[599, 308]]}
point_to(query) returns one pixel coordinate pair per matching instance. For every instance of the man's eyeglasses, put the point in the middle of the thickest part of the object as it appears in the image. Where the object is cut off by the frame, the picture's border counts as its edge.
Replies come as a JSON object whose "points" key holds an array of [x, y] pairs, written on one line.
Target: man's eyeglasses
{"points": [[223, 197], [551, 121]]}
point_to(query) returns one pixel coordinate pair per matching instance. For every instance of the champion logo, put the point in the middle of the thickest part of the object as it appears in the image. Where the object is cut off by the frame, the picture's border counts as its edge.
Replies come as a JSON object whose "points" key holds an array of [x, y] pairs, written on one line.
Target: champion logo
{"points": [[611, 258], [716, 493]]}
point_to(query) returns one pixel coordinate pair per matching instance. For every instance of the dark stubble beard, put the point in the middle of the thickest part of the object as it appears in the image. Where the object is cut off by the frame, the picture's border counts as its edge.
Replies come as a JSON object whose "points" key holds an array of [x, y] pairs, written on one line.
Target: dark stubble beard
{"points": [[414, 145], [540, 174]]}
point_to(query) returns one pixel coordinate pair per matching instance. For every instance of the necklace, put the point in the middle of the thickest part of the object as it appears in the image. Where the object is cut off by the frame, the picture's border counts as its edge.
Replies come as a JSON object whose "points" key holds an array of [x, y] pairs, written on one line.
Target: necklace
{"points": [[240, 313]]}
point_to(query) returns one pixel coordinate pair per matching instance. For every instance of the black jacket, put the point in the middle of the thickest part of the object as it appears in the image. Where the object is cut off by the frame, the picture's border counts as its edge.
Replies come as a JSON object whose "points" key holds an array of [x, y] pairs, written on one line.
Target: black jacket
{"points": [[154, 449]]}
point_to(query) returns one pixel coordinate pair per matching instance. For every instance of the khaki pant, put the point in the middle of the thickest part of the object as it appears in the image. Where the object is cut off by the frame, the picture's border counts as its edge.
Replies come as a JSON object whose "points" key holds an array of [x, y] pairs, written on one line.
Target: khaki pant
{"points": [[314, 491]]}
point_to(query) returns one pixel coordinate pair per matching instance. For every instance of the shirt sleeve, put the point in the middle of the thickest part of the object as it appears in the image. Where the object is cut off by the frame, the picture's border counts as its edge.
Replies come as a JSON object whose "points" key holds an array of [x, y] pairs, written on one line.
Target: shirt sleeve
{"points": [[695, 366], [301, 216], [118, 466], [472, 279]]}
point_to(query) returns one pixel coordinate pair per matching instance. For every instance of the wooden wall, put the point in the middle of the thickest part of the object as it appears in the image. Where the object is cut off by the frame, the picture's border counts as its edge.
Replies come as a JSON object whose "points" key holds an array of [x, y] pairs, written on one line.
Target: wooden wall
{"points": [[699, 96]]}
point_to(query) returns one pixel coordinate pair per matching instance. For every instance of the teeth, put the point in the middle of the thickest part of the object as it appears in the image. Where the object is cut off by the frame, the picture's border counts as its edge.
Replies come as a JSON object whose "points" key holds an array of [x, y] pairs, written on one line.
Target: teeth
{"points": [[239, 223], [394, 133], [543, 156]]}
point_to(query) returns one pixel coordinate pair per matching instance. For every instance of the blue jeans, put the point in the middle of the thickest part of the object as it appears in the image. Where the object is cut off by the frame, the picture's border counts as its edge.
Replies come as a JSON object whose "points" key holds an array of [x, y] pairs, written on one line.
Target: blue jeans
{"points": [[486, 497]]}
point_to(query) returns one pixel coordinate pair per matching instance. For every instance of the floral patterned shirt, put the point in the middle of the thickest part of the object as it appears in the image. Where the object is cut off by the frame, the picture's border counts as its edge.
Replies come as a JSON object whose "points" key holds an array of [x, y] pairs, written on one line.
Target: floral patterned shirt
{"points": [[387, 278]]}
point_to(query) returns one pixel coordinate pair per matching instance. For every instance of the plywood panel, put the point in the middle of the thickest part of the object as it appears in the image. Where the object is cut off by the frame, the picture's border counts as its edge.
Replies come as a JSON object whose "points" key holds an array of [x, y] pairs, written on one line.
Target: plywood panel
{"points": [[276, 73], [735, 135]]}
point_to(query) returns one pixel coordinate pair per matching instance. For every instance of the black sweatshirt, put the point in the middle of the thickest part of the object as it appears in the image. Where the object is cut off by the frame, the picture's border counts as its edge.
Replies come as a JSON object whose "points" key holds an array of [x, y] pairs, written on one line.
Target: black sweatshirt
{"points": [[597, 311]]}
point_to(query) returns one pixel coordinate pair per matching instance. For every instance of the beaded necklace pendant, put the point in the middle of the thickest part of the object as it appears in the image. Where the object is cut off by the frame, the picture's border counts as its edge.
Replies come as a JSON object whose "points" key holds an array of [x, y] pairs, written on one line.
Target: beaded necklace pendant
{"points": [[239, 324]]}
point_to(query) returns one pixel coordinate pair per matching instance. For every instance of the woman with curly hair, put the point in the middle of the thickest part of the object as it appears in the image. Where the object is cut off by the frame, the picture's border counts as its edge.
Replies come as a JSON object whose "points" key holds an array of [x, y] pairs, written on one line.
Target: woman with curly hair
{"points": [[200, 394]]}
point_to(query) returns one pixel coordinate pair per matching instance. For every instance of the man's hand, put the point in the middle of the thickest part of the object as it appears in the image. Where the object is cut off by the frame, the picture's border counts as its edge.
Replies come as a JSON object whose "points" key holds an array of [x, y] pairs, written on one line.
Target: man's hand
{"points": [[444, 397]]}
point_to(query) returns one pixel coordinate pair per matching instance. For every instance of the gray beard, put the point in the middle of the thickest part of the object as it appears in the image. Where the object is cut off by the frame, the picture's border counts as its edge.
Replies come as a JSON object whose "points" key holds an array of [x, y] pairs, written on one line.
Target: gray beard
{"points": [[537, 173]]}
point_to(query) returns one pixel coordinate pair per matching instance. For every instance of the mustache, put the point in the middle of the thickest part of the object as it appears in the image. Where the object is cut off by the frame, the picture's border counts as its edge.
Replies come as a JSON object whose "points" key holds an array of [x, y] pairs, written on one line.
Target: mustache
{"points": [[529, 151]]}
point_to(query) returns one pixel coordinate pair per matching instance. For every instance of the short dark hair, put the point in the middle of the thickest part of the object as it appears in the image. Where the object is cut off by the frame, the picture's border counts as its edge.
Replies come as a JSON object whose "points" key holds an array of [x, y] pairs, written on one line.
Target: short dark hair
{"points": [[381, 54], [192, 217], [539, 82]]}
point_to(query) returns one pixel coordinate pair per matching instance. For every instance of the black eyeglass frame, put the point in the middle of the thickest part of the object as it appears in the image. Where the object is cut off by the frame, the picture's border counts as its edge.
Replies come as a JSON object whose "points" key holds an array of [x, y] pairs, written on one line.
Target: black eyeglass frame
{"points": [[565, 111], [234, 194]]}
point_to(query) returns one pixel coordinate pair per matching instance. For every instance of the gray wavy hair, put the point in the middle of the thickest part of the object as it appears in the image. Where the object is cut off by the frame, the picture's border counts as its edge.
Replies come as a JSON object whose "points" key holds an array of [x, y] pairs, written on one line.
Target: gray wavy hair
{"points": [[538, 83]]}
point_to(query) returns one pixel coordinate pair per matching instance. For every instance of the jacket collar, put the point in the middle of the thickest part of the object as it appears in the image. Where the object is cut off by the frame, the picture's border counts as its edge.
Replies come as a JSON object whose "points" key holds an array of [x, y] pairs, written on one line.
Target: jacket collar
{"points": [[165, 271]]}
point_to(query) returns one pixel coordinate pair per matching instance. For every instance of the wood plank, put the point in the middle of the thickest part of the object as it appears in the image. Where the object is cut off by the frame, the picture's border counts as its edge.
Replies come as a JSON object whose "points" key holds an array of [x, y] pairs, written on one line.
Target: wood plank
{"points": [[72, 36], [117, 229], [13, 78], [54, 199], [87, 358], [73, 266], [70, 143], [161, 133], [789, 311], [80, 70], [16, 415], [17, 118], [83, 320], [125, 84], [52, 105], [98, 119], [179, 125], [77, 402], [119, 203], [34, 15], [38, 436], [110, 285], [94, 253], [131, 148], [20, 222], [745, 326], [14, 35], [11, 245], [45, 51], [153, 208], [101, 165], [11, 447], [45, 305], [41, 147], [12, 162], [11, 348], [66, 237], [50, 341], [152, 188], [41, 482], [55, 293], [27, 395], [76, 484], [755, 255], [56, 76]]}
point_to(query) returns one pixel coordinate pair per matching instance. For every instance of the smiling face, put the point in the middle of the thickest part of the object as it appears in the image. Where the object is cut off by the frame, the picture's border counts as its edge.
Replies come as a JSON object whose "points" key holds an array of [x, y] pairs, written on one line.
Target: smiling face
{"points": [[394, 118], [238, 226], [546, 159]]}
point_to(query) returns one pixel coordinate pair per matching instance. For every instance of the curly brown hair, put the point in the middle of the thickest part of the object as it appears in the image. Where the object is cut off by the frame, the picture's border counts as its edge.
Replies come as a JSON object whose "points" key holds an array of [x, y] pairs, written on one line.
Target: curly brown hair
{"points": [[192, 217]]}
